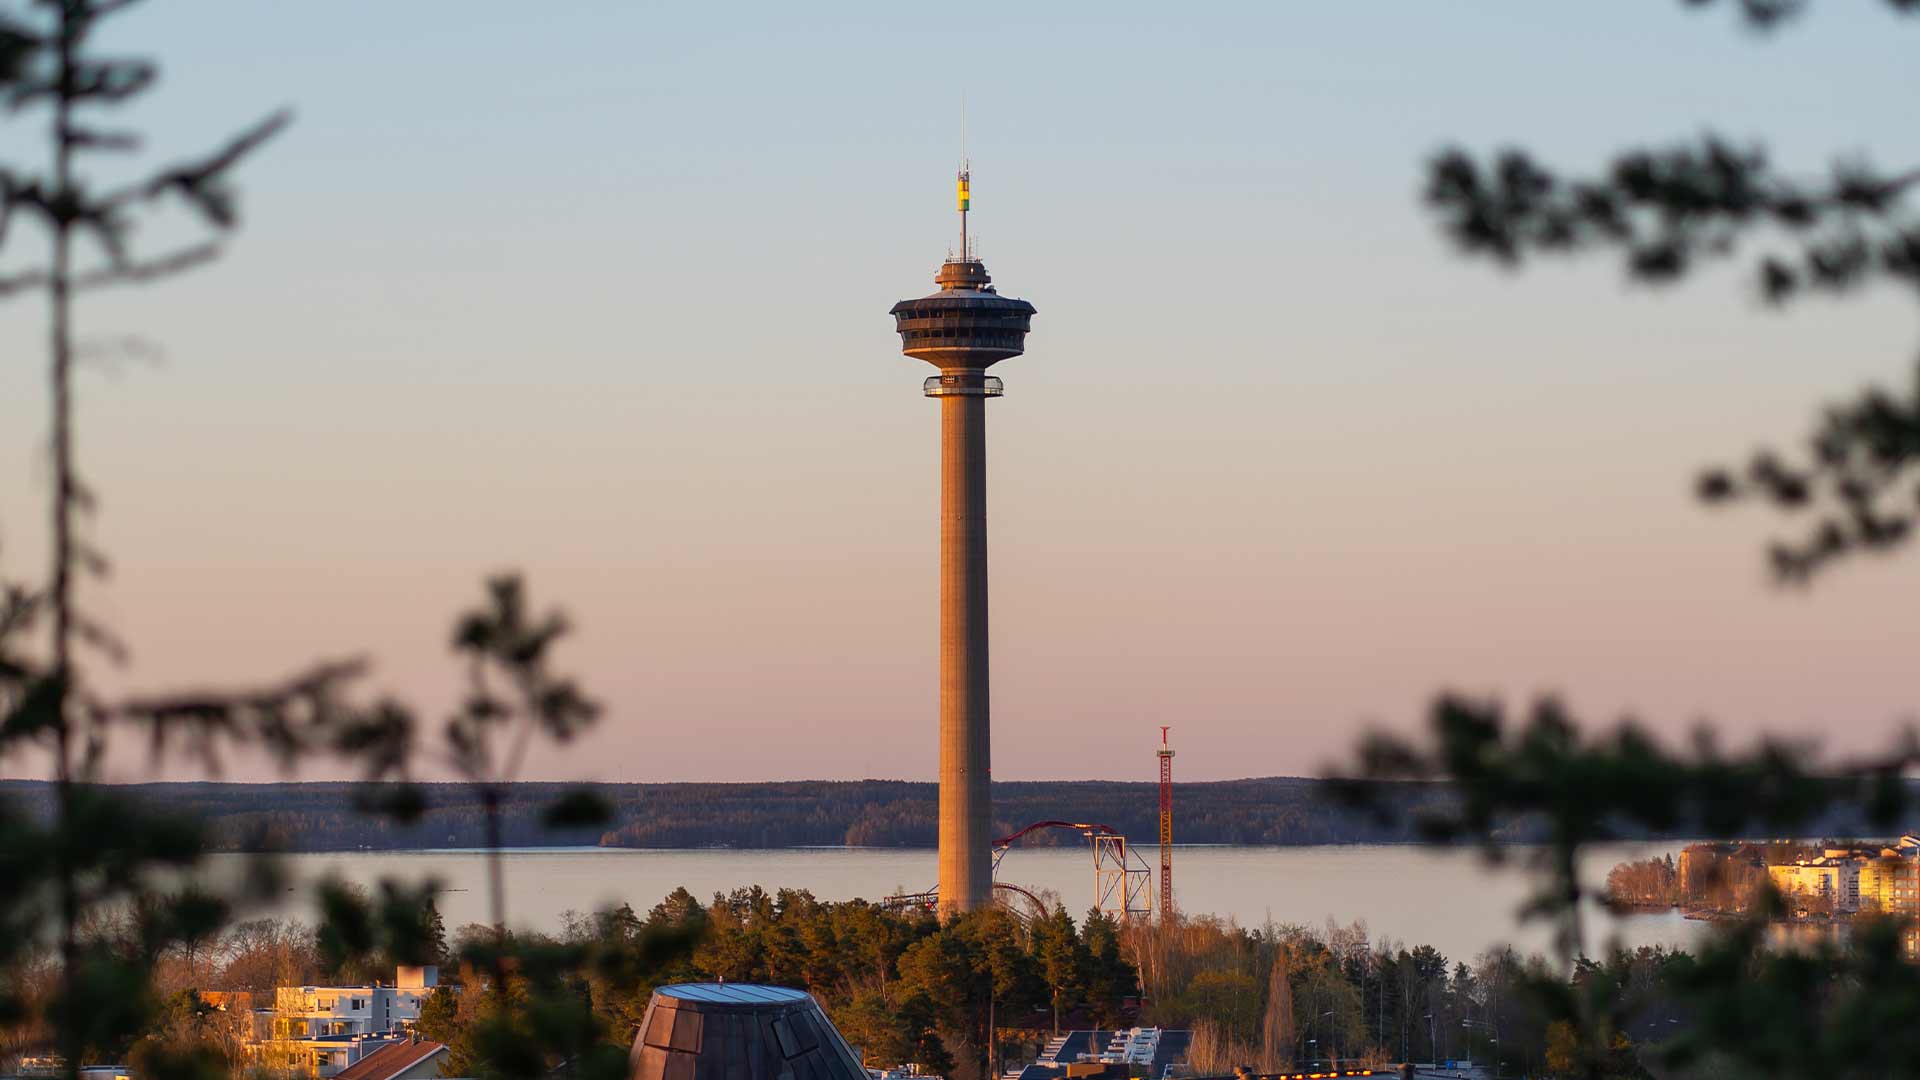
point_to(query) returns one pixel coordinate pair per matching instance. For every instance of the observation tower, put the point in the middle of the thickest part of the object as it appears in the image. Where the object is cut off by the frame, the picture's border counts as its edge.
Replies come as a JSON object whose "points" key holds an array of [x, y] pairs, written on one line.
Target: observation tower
{"points": [[963, 329]]}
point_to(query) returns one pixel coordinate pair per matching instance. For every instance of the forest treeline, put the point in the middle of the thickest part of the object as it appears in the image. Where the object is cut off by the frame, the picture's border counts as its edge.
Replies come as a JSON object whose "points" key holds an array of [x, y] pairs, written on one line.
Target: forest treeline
{"points": [[329, 816], [326, 816], [990, 986]]}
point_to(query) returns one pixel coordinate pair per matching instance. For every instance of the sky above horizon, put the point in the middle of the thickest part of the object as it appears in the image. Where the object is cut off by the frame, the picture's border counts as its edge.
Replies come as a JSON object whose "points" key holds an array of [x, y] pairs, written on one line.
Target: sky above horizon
{"points": [[598, 291]]}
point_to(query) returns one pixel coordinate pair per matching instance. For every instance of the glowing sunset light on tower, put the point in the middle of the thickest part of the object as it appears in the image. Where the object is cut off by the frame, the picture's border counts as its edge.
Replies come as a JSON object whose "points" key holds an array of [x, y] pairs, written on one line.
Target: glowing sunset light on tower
{"points": [[963, 329]]}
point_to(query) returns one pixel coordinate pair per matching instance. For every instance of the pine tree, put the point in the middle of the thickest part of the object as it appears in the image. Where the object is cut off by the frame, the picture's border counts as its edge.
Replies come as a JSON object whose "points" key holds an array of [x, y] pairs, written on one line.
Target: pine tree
{"points": [[436, 935], [1057, 949]]}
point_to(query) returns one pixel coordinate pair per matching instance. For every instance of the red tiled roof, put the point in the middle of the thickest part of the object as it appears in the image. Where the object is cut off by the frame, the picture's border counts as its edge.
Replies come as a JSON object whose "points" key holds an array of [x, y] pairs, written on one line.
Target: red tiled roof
{"points": [[390, 1061]]}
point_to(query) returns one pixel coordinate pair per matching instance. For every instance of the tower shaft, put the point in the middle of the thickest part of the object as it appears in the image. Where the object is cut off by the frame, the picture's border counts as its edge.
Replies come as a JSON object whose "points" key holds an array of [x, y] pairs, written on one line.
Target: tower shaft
{"points": [[966, 807], [963, 330]]}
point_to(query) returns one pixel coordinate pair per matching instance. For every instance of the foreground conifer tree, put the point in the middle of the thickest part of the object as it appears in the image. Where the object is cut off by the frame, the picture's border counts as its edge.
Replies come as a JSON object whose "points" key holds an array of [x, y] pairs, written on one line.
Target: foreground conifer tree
{"points": [[1752, 1010], [91, 851], [92, 880]]}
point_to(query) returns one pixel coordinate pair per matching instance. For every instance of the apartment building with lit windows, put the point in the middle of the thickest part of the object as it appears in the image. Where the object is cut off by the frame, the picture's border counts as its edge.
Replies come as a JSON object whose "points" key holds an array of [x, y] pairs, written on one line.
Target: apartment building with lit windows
{"points": [[1829, 883], [319, 1031]]}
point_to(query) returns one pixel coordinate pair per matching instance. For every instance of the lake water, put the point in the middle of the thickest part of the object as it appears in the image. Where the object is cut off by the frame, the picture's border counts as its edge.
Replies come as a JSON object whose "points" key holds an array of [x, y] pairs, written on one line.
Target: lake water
{"points": [[1417, 896]]}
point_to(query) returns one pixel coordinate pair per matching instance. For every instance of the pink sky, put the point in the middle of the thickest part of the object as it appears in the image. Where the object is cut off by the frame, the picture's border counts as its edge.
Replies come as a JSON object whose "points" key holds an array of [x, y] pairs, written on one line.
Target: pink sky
{"points": [[1276, 467]]}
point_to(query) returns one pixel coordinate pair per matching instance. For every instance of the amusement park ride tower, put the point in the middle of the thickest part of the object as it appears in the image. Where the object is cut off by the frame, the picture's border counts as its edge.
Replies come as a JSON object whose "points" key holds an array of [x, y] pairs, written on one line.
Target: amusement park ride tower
{"points": [[963, 329], [1166, 826]]}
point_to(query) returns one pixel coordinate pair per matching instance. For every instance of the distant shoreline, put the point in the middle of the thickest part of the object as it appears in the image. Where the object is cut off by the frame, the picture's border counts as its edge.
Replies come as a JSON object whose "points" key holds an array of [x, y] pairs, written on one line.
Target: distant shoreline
{"points": [[321, 816], [1468, 850]]}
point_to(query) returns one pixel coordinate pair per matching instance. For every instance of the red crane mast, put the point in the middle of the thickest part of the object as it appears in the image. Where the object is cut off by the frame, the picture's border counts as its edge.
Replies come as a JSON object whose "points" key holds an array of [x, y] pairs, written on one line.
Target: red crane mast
{"points": [[1166, 826]]}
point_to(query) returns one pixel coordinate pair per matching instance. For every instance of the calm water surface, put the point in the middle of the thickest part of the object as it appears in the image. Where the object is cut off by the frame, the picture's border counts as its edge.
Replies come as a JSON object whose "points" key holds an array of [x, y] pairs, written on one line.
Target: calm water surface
{"points": [[1448, 899]]}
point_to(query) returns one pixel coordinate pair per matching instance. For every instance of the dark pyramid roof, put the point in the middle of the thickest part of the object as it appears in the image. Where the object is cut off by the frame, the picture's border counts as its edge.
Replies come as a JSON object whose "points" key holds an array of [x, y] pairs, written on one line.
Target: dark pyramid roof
{"points": [[738, 1031]]}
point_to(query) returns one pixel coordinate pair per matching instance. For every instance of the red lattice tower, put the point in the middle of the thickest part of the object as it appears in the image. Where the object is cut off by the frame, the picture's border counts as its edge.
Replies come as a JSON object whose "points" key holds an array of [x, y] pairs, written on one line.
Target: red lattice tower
{"points": [[1166, 827]]}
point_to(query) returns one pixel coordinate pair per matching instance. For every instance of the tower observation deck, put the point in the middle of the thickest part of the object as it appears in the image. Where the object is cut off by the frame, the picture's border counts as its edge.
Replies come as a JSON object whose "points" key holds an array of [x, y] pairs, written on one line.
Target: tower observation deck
{"points": [[962, 330]]}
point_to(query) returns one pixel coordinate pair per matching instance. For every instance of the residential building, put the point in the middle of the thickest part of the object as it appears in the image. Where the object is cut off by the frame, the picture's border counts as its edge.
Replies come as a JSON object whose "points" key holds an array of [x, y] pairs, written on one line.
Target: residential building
{"points": [[250, 1024], [310, 1011], [322, 1056], [1854, 879], [52, 1066], [322, 1031], [1826, 882], [409, 1059], [1887, 884], [1154, 1053]]}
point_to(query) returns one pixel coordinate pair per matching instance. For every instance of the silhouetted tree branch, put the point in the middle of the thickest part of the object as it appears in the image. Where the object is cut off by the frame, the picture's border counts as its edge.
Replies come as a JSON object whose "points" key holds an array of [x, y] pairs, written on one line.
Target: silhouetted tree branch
{"points": [[100, 849], [46, 63], [511, 697], [1666, 211], [1588, 789], [1764, 14]]}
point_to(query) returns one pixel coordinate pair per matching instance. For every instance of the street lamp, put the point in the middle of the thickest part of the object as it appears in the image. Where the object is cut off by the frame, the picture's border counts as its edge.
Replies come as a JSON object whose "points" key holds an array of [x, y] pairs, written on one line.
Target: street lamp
{"points": [[1495, 1032]]}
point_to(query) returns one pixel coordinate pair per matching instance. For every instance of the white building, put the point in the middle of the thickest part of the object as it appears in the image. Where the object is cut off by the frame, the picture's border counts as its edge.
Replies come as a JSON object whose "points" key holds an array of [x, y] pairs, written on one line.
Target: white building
{"points": [[321, 1030], [304, 1012]]}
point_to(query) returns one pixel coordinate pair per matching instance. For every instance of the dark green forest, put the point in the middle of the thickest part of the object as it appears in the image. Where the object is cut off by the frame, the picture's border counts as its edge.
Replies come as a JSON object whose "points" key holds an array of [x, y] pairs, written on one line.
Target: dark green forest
{"points": [[863, 813], [811, 813]]}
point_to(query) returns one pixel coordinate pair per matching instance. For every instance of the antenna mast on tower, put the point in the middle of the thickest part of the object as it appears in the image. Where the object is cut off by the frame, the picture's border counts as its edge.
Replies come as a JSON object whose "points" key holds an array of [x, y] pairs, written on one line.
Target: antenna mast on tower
{"points": [[966, 203], [966, 180]]}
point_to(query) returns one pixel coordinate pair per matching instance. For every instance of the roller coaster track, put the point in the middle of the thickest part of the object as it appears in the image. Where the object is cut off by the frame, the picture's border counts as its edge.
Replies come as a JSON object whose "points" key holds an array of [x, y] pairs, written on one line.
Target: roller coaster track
{"points": [[931, 899], [1121, 879], [1085, 829]]}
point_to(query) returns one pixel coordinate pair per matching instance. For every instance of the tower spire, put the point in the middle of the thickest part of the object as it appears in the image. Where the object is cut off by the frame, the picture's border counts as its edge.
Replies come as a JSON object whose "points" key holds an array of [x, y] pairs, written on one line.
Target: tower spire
{"points": [[966, 171], [966, 203]]}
